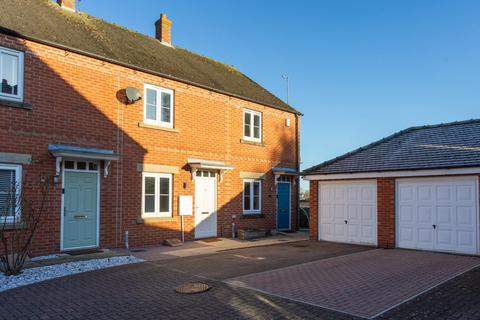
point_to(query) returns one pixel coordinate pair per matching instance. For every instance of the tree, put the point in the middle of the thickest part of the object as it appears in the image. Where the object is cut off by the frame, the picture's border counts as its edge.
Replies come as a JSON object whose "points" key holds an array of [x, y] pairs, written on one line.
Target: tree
{"points": [[19, 220], [304, 194]]}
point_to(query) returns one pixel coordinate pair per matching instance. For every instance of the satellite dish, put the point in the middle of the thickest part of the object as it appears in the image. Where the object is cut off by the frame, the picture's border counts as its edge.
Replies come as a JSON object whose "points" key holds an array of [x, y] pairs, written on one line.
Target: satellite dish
{"points": [[132, 94]]}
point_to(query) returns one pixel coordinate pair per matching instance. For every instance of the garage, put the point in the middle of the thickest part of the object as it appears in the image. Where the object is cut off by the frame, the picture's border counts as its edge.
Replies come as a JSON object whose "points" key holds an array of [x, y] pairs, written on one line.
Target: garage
{"points": [[421, 186], [438, 214], [347, 212]]}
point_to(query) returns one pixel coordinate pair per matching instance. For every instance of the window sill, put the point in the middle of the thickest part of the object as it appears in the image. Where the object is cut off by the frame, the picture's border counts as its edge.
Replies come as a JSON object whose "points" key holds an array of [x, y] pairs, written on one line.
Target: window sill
{"points": [[13, 226], [157, 127], [255, 143], [258, 215], [144, 220], [16, 104]]}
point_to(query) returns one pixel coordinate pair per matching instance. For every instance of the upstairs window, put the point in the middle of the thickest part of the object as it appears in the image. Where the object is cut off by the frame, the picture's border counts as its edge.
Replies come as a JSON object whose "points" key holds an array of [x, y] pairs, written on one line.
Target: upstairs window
{"points": [[158, 108], [252, 196], [11, 74], [10, 184], [252, 125]]}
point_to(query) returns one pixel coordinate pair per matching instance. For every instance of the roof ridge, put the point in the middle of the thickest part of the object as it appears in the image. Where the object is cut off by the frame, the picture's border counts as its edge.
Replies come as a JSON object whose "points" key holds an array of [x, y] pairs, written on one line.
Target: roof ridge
{"points": [[188, 66], [387, 138]]}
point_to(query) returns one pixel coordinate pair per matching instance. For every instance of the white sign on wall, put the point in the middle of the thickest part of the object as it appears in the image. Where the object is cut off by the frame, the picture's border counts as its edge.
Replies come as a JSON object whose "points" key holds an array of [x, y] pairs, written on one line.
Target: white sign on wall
{"points": [[185, 205]]}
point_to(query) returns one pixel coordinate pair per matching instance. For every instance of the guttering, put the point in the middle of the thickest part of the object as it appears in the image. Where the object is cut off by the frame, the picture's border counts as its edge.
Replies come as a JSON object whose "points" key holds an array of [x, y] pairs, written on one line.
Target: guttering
{"points": [[130, 66], [396, 174]]}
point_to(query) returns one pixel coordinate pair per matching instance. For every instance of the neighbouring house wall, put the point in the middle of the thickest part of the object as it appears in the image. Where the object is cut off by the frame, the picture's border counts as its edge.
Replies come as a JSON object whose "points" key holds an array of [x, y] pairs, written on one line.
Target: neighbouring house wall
{"points": [[78, 101]]}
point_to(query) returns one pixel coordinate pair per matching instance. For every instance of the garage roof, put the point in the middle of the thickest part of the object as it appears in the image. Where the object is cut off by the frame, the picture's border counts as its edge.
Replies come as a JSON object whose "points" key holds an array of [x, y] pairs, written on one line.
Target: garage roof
{"points": [[45, 22], [442, 146]]}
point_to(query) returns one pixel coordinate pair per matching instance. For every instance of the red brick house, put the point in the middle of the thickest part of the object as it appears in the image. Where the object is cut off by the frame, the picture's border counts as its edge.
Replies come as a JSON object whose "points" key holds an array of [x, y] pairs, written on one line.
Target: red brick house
{"points": [[416, 189], [129, 126]]}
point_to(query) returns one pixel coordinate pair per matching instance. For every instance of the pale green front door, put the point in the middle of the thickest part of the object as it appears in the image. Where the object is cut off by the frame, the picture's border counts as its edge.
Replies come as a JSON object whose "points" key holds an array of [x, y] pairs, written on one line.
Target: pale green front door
{"points": [[80, 210]]}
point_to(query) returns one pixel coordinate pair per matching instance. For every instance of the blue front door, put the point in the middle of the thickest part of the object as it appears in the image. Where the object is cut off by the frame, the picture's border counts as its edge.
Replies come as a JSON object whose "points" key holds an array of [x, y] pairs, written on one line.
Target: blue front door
{"points": [[283, 206]]}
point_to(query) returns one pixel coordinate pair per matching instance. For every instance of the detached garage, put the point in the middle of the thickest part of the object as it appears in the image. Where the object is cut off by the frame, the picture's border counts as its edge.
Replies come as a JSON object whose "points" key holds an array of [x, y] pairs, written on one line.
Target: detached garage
{"points": [[416, 189]]}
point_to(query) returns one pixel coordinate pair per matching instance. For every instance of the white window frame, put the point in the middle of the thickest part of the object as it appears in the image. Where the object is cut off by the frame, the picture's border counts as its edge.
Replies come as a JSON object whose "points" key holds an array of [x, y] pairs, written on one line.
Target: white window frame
{"points": [[252, 114], [20, 67], [159, 121], [157, 213], [18, 180], [251, 210]]}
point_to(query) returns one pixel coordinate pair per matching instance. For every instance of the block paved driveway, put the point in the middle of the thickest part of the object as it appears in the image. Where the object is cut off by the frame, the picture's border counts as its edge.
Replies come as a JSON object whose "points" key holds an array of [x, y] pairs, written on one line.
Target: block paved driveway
{"points": [[364, 284], [146, 291]]}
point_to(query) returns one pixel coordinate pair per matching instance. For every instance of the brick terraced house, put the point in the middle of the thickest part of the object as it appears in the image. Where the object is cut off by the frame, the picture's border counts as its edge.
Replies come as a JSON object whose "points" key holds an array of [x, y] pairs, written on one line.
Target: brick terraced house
{"points": [[416, 189], [129, 126]]}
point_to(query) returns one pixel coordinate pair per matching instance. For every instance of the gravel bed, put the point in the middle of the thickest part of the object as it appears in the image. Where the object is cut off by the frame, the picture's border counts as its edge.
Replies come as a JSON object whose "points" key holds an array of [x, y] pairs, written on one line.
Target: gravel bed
{"points": [[33, 275]]}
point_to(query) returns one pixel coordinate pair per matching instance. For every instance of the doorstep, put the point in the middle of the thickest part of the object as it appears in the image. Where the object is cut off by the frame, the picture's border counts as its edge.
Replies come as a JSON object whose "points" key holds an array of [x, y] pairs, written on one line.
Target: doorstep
{"points": [[201, 247]]}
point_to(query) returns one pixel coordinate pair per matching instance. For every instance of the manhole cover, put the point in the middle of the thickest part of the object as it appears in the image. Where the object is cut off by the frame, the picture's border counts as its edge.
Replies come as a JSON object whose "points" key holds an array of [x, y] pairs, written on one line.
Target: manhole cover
{"points": [[192, 287]]}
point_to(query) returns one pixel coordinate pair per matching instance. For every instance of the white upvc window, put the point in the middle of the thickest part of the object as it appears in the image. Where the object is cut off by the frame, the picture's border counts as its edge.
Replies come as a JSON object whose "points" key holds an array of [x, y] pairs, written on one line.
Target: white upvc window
{"points": [[252, 125], [252, 196], [156, 195], [158, 106], [10, 192], [11, 74]]}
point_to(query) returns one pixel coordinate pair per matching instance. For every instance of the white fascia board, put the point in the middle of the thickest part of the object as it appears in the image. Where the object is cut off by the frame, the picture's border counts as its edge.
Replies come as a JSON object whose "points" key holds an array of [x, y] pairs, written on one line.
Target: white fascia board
{"points": [[403, 173]]}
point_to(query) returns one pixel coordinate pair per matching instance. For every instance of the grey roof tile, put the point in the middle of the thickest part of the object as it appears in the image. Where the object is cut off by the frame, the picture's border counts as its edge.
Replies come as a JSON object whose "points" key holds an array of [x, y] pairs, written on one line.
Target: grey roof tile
{"points": [[449, 145]]}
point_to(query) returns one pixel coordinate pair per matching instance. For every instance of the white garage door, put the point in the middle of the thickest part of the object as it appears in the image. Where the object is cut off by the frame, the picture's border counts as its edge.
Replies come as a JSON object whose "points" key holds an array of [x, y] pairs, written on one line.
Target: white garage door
{"points": [[437, 214], [348, 212]]}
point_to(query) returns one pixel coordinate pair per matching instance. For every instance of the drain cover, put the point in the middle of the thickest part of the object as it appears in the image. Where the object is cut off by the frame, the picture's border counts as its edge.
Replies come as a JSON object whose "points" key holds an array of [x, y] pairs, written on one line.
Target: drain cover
{"points": [[138, 250], [192, 287]]}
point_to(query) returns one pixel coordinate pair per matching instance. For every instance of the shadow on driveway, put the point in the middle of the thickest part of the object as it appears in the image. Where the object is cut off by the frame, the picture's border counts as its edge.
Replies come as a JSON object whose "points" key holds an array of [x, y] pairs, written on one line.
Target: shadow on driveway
{"points": [[234, 263]]}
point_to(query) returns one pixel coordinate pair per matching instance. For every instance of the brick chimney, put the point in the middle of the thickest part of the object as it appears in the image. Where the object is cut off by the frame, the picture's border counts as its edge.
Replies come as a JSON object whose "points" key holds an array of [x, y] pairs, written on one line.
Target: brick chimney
{"points": [[163, 28], [67, 4]]}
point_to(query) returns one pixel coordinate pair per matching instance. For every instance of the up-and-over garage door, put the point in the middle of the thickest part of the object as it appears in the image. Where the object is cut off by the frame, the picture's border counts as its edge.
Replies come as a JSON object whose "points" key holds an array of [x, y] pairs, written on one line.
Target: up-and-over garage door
{"points": [[348, 212], [437, 214]]}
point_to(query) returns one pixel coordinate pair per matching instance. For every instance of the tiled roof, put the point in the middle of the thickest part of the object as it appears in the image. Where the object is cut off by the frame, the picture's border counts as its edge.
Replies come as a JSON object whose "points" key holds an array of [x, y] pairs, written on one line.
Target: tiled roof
{"points": [[45, 22], [442, 146]]}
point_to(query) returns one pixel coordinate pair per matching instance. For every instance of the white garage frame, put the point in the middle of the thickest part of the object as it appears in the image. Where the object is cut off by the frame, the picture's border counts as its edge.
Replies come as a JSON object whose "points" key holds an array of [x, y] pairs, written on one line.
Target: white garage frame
{"points": [[441, 178], [373, 182]]}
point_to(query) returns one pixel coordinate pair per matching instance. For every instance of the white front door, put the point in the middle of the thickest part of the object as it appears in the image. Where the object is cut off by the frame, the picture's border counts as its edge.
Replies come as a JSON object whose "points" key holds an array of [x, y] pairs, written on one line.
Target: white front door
{"points": [[347, 212], [205, 204], [437, 214]]}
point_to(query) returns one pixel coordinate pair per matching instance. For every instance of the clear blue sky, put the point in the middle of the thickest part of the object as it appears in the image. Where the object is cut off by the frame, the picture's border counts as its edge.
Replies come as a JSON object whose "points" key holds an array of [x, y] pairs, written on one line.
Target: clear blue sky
{"points": [[359, 70]]}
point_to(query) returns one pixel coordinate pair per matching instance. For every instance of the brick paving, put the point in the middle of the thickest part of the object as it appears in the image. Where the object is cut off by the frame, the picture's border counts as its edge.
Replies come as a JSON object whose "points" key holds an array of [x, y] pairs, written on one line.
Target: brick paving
{"points": [[456, 299], [146, 291], [363, 284]]}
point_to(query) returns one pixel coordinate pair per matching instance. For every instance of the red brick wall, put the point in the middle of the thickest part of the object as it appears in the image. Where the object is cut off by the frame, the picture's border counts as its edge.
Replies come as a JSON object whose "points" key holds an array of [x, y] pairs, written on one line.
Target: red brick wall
{"points": [[386, 212], [77, 100], [313, 223]]}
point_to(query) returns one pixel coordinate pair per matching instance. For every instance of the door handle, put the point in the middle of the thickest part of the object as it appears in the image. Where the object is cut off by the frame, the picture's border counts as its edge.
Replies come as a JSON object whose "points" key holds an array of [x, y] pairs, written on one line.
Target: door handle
{"points": [[80, 217], [434, 226], [205, 212], [346, 222]]}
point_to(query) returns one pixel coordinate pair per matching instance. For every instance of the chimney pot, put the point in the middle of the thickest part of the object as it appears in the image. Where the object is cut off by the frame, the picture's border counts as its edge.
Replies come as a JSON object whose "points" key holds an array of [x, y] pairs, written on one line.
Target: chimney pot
{"points": [[67, 4], [163, 30]]}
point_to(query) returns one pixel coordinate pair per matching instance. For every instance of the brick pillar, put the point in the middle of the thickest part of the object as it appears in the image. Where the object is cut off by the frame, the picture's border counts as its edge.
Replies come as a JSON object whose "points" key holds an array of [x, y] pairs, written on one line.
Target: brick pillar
{"points": [[313, 210], [386, 212]]}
